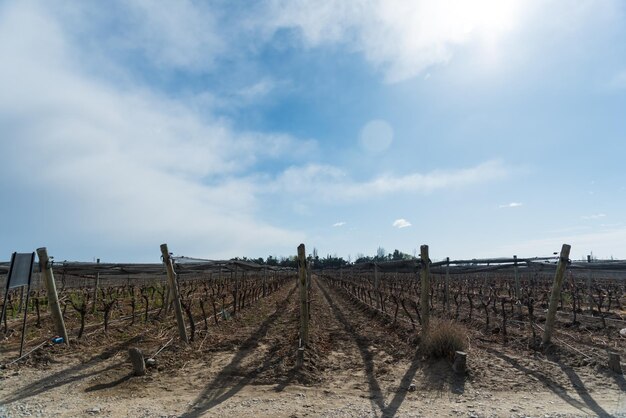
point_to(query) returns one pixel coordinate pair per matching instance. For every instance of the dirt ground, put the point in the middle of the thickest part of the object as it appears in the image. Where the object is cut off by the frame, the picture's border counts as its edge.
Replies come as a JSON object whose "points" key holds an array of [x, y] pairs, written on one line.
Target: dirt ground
{"points": [[358, 365]]}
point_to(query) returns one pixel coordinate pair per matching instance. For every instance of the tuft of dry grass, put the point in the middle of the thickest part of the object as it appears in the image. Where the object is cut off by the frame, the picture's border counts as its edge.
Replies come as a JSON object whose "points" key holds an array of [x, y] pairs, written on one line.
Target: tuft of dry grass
{"points": [[443, 339]]}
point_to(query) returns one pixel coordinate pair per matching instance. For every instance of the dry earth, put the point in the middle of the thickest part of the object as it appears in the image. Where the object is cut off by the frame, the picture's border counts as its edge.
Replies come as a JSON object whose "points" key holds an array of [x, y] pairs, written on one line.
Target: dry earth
{"points": [[358, 365]]}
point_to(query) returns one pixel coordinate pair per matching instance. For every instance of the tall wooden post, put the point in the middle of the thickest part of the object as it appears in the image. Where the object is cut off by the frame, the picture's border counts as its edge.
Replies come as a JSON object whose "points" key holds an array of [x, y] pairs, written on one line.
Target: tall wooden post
{"points": [[304, 307], [425, 291], [95, 289], [589, 290], [377, 286], [236, 294], [518, 295], [446, 288], [264, 280], [173, 290], [51, 289], [556, 293]]}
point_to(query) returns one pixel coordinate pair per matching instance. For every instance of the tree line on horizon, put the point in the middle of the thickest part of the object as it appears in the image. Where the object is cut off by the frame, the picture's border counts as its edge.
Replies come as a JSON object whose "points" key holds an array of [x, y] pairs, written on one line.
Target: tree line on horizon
{"points": [[330, 261]]}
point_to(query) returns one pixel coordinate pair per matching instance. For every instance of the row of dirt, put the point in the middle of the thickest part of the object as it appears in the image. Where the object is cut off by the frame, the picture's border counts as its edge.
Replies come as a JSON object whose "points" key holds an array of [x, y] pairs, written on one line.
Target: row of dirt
{"points": [[357, 364]]}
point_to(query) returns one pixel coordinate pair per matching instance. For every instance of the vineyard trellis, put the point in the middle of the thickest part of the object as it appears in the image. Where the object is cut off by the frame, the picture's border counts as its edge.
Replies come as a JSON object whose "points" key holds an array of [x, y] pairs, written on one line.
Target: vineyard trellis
{"points": [[99, 294], [505, 298]]}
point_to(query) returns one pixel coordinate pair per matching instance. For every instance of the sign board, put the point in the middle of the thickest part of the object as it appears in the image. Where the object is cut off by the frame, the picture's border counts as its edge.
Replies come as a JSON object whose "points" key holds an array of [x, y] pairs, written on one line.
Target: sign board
{"points": [[20, 270]]}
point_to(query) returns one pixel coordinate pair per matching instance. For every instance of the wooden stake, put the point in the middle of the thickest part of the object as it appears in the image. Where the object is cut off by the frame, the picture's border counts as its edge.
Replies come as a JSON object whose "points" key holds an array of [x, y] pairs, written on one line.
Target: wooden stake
{"points": [[589, 291], [173, 290], [136, 358], [51, 289], [556, 293], [446, 289], [377, 285], [614, 363], [425, 291], [517, 288], [460, 362], [304, 307], [95, 289]]}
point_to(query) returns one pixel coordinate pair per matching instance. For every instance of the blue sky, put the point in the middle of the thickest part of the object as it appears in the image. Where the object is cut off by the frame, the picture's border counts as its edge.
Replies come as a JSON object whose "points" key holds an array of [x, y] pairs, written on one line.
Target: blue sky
{"points": [[483, 128]]}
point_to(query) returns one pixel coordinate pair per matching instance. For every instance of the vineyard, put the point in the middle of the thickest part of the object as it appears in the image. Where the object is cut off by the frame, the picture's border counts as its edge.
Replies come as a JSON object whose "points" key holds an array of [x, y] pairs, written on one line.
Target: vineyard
{"points": [[238, 338]]}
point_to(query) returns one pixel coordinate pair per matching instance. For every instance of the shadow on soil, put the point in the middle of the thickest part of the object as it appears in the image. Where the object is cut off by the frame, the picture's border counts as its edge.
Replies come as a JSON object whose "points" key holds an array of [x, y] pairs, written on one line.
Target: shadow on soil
{"points": [[588, 402], [376, 394], [232, 378], [72, 374]]}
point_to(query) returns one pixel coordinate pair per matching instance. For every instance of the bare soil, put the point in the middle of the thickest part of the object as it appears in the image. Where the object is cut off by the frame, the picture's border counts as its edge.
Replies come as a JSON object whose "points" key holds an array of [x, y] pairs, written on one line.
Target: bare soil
{"points": [[358, 364]]}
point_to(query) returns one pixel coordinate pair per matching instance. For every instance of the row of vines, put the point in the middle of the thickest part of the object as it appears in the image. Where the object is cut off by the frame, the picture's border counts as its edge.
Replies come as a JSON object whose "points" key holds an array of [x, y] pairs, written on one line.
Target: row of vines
{"points": [[489, 301], [206, 298]]}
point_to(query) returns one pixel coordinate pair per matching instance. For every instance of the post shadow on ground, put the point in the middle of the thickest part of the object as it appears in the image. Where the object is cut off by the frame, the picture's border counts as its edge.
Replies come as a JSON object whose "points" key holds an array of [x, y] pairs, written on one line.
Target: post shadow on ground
{"points": [[70, 374], [109, 385], [376, 395], [579, 386], [556, 388], [225, 384]]}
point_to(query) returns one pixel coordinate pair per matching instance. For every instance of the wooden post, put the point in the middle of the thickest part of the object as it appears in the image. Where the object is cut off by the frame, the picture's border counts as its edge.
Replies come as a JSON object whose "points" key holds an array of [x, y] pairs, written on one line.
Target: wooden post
{"points": [[589, 291], [556, 292], [173, 290], [236, 294], [51, 289], [425, 291], [460, 362], [304, 308], [614, 363], [446, 289], [95, 289], [264, 280], [518, 295], [136, 358], [377, 286]]}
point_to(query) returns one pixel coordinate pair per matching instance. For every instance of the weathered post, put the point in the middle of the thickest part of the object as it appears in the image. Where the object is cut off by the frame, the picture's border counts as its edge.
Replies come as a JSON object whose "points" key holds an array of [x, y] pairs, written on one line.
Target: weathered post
{"points": [[304, 314], [556, 292], [236, 294], [446, 289], [51, 289], [264, 280], [95, 289], [517, 288], [589, 290], [377, 286], [460, 362], [173, 290], [425, 288], [136, 358], [614, 362]]}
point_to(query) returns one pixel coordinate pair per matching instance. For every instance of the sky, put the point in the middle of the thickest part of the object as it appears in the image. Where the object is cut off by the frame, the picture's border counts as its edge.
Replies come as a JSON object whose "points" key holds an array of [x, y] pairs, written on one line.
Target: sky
{"points": [[226, 128]]}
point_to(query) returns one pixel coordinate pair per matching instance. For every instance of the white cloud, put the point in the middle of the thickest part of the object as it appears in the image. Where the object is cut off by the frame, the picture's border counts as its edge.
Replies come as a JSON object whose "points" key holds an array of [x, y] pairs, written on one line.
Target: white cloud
{"points": [[403, 37], [511, 205], [605, 244], [594, 216], [401, 223], [335, 185], [119, 165], [339, 224]]}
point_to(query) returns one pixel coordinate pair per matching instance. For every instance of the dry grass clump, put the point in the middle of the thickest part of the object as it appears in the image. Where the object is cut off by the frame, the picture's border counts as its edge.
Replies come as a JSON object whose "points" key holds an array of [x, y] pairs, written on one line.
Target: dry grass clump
{"points": [[443, 339]]}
